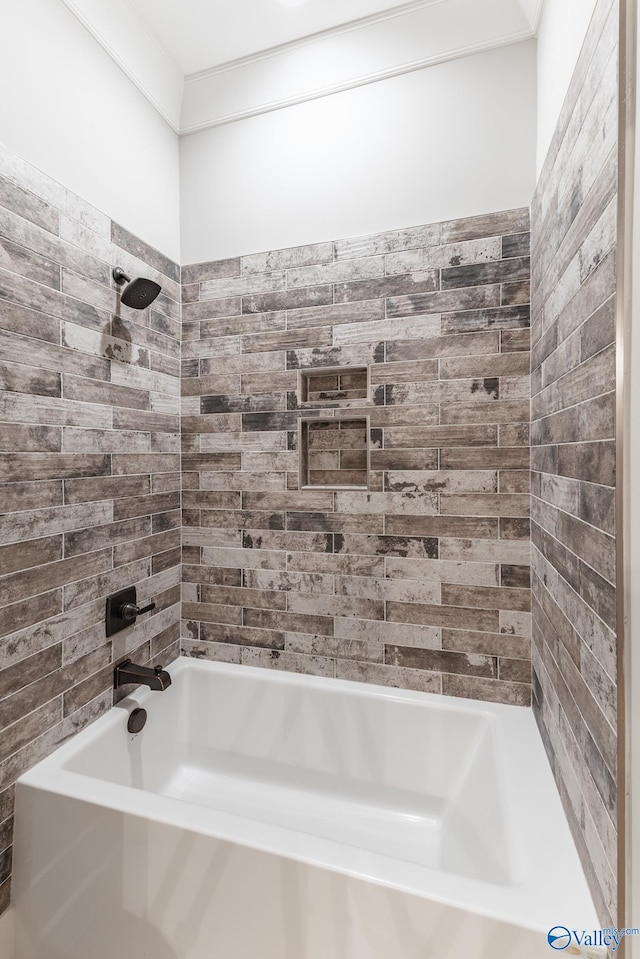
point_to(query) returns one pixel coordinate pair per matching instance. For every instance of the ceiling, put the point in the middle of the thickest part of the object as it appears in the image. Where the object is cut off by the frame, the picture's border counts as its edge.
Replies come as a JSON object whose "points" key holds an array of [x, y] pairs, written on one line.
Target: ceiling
{"points": [[202, 63]]}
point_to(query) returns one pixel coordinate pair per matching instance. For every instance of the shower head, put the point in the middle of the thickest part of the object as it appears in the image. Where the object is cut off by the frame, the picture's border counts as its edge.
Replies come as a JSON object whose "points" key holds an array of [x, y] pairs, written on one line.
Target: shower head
{"points": [[139, 293]]}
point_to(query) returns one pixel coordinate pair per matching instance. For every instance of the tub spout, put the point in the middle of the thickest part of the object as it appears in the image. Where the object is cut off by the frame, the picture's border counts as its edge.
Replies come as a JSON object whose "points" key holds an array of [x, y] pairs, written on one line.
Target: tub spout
{"points": [[128, 674]]}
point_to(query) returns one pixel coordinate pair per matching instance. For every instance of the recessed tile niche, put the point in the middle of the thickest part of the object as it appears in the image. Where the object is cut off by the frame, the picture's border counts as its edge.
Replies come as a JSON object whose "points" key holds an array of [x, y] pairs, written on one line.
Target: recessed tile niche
{"points": [[335, 386], [334, 453]]}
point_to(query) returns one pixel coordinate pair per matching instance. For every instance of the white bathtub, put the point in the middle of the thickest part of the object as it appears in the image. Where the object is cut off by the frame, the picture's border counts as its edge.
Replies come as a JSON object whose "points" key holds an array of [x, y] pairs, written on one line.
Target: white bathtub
{"points": [[266, 815]]}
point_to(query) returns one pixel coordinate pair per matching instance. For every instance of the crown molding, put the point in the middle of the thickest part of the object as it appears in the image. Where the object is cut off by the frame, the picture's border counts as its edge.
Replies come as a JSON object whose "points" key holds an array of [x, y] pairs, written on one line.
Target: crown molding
{"points": [[390, 14], [537, 16], [359, 81]]}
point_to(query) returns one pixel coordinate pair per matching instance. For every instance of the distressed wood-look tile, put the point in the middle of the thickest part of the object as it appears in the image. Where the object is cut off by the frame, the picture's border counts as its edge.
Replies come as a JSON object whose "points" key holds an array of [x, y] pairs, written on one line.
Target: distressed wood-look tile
{"points": [[573, 623]]}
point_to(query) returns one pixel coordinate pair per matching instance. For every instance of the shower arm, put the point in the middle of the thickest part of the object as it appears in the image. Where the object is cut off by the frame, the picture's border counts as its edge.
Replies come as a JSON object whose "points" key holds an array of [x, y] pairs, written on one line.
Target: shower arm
{"points": [[120, 276]]}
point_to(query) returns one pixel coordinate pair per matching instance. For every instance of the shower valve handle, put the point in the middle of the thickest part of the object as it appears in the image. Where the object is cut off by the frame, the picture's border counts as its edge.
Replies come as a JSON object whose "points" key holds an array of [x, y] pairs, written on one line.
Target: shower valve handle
{"points": [[129, 611]]}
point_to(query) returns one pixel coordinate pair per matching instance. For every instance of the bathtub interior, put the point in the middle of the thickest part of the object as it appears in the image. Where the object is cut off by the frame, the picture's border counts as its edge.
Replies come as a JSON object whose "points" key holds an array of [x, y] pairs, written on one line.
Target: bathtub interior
{"points": [[418, 781]]}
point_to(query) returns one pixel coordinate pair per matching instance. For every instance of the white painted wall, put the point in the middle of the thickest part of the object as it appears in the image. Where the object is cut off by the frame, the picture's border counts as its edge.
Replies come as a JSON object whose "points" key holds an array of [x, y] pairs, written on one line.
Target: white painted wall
{"points": [[70, 111], [452, 140], [563, 27]]}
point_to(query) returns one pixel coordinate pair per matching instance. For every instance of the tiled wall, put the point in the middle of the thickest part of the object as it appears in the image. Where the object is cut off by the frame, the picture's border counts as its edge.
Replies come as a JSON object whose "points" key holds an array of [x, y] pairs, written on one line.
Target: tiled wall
{"points": [[89, 467], [422, 581], [573, 455]]}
